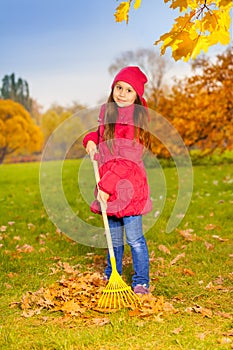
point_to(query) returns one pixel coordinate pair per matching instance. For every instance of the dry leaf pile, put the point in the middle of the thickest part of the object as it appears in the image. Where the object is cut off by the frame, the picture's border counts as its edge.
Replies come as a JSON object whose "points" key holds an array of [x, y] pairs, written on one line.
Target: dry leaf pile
{"points": [[72, 295], [78, 293]]}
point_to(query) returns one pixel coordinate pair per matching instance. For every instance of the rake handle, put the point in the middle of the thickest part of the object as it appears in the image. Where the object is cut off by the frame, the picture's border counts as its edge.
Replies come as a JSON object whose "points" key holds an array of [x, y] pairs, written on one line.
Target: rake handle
{"points": [[103, 206]]}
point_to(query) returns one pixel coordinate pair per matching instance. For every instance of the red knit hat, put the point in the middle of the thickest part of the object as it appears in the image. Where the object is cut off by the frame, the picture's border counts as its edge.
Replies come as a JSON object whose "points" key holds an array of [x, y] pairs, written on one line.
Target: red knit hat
{"points": [[134, 77]]}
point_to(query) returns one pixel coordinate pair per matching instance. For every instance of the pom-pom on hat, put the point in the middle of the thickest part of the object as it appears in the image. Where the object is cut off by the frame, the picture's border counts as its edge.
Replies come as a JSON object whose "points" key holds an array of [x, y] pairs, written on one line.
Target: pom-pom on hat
{"points": [[134, 77]]}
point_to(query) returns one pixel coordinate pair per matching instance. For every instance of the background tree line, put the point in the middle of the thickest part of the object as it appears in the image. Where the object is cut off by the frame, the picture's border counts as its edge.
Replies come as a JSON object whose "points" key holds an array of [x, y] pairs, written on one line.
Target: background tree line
{"points": [[200, 107]]}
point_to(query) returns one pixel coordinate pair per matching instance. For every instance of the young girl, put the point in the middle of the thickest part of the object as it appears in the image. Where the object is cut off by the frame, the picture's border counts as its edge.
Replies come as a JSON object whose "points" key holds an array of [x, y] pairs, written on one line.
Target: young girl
{"points": [[120, 139]]}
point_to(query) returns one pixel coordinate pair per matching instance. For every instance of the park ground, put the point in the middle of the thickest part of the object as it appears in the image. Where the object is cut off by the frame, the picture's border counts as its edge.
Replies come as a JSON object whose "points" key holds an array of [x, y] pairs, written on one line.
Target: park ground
{"points": [[190, 305]]}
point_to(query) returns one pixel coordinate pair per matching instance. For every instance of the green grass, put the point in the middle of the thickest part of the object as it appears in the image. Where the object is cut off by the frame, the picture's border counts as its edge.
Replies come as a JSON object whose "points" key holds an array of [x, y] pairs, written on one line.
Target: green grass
{"points": [[203, 277]]}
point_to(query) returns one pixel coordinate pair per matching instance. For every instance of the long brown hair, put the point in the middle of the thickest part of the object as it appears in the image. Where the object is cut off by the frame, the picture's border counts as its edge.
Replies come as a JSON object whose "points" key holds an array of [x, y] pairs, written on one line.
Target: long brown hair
{"points": [[140, 119]]}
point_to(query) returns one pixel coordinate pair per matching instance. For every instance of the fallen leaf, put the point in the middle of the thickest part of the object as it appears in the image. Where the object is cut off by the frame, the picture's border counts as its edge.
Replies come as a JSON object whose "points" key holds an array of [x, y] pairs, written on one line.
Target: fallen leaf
{"points": [[229, 333], [187, 235], [12, 274], [152, 256], [224, 340], [26, 248], [209, 246], [135, 312], [30, 313], [180, 216], [67, 268], [16, 238], [210, 227], [42, 250], [164, 249], [158, 318], [97, 321], [168, 307], [31, 226], [224, 315], [177, 258], [213, 287], [188, 272], [150, 305], [201, 336], [219, 238], [79, 293], [200, 310], [71, 307], [219, 280], [177, 330]]}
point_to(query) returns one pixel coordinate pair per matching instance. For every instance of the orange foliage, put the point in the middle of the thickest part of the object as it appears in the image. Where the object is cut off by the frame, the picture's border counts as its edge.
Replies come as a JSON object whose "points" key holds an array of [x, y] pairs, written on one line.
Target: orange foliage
{"points": [[200, 25], [201, 107], [18, 131]]}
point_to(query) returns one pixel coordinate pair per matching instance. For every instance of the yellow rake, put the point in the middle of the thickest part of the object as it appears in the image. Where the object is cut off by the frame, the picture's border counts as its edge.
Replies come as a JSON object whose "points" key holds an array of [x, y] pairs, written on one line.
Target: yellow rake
{"points": [[117, 294]]}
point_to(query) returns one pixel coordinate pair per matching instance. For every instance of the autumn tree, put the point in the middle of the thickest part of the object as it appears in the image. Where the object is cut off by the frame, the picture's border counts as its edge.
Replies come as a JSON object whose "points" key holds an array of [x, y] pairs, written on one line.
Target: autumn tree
{"points": [[201, 24], [60, 124], [18, 133], [36, 112], [56, 115], [201, 107]]}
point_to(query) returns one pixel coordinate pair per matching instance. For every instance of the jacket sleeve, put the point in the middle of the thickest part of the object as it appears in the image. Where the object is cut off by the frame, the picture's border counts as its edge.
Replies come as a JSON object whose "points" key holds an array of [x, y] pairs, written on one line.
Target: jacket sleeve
{"points": [[92, 136]]}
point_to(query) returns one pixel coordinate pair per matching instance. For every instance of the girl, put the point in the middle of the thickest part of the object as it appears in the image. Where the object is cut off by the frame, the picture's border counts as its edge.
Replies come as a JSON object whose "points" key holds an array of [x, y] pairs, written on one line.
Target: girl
{"points": [[121, 137]]}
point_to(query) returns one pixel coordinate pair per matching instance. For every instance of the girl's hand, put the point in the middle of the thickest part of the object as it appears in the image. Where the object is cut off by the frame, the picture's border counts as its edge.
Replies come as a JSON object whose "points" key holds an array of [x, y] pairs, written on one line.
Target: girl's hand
{"points": [[102, 196], [91, 147]]}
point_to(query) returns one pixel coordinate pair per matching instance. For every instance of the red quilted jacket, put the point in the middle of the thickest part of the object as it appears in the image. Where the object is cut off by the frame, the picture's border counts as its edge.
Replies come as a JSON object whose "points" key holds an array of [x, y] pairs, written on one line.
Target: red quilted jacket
{"points": [[122, 172]]}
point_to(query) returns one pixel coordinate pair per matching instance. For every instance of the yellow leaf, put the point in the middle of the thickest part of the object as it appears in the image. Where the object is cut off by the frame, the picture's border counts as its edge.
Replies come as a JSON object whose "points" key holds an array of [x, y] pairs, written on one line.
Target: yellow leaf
{"points": [[224, 20], [209, 22], [218, 37], [182, 4], [184, 48], [202, 44], [122, 12], [198, 29], [137, 4], [223, 3]]}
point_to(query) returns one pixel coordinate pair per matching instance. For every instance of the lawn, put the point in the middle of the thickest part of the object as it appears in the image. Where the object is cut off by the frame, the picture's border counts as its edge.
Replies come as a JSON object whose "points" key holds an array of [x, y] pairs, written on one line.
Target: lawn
{"points": [[191, 267]]}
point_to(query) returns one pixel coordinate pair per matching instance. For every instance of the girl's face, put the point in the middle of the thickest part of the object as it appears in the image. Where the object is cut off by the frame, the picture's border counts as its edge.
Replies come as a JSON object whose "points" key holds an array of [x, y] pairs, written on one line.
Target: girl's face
{"points": [[123, 94]]}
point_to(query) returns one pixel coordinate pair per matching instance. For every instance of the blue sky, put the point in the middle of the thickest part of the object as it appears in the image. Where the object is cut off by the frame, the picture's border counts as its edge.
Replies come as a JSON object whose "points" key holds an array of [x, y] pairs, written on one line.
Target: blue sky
{"points": [[63, 48]]}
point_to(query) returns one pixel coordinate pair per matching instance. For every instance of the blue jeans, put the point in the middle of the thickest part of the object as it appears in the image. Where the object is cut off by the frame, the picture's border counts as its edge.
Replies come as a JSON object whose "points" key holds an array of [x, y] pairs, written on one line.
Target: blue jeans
{"points": [[132, 225]]}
